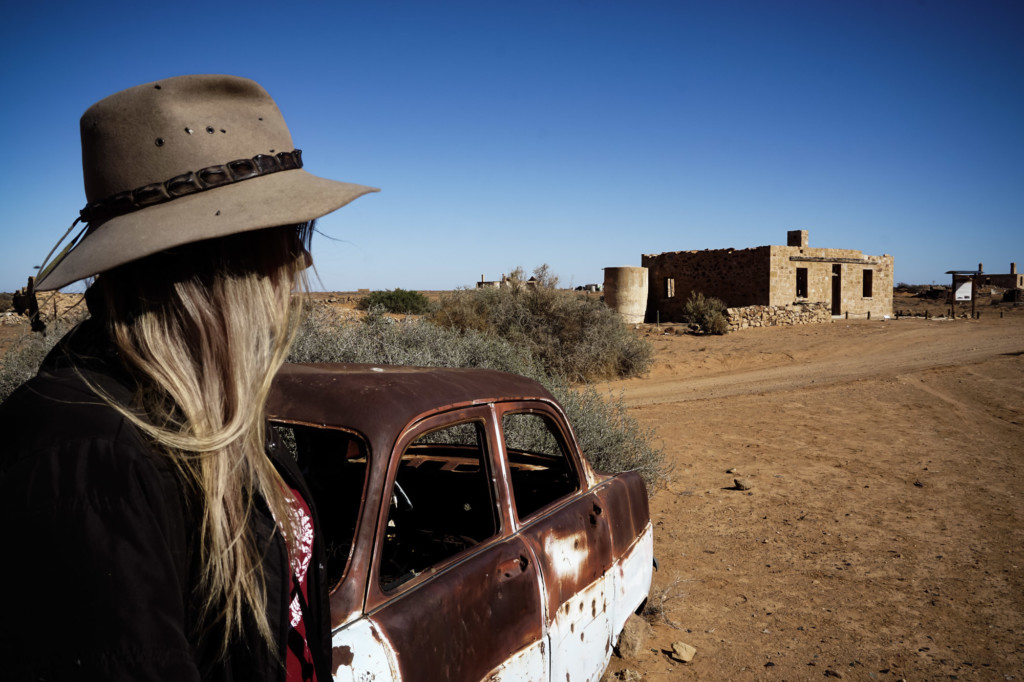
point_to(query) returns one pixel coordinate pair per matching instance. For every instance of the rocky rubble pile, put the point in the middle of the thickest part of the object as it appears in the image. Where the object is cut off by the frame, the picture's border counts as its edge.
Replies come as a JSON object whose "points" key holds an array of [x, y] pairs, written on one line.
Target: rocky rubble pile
{"points": [[51, 305], [774, 315]]}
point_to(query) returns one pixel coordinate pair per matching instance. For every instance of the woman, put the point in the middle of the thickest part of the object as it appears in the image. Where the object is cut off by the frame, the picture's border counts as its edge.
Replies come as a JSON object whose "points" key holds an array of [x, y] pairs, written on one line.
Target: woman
{"points": [[152, 533]]}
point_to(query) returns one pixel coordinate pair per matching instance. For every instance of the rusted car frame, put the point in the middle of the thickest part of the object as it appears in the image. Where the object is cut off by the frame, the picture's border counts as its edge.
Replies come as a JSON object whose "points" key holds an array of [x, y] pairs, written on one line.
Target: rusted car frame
{"points": [[467, 537]]}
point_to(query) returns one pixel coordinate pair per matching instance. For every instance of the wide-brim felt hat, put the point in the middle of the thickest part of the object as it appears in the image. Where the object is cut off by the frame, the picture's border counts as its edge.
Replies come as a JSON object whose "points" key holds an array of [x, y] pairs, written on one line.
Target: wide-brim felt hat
{"points": [[182, 160]]}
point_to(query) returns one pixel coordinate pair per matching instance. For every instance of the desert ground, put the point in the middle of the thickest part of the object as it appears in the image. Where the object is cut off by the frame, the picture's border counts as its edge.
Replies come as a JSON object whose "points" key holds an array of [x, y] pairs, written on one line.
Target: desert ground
{"points": [[882, 536]]}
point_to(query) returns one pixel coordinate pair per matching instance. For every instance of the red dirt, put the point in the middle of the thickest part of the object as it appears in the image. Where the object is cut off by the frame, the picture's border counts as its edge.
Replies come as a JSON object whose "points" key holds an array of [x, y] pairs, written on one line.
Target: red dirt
{"points": [[883, 536]]}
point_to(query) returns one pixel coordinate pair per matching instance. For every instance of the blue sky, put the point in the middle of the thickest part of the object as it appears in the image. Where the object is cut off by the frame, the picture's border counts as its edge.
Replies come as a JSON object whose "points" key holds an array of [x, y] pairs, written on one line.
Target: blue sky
{"points": [[581, 134]]}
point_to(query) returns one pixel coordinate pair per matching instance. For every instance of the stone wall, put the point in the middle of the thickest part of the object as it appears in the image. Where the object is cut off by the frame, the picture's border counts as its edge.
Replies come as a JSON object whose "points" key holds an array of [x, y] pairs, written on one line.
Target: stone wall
{"points": [[738, 277], [777, 315], [853, 269]]}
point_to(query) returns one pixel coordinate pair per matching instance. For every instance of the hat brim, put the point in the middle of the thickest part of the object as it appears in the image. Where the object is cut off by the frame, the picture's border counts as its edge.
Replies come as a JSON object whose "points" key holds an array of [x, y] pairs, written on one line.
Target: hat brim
{"points": [[283, 198]]}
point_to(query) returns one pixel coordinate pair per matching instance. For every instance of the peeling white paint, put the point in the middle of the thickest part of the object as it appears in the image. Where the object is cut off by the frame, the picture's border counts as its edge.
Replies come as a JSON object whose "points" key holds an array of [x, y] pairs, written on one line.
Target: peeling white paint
{"points": [[372, 654], [587, 626], [581, 634], [631, 578], [529, 664], [567, 555]]}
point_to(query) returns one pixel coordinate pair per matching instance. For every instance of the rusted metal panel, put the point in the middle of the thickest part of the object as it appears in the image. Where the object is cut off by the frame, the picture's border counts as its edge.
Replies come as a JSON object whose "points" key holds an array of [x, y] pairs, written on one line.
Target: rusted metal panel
{"points": [[380, 400], [467, 620], [573, 545], [624, 499]]}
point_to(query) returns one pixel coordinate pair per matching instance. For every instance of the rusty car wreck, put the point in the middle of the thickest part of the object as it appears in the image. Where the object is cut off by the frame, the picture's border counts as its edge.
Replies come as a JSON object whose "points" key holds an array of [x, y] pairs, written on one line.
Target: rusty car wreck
{"points": [[466, 537]]}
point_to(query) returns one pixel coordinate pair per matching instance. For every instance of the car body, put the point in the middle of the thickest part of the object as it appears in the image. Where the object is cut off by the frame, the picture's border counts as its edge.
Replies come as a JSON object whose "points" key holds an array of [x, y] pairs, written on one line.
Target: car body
{"points": [[467, 537]]}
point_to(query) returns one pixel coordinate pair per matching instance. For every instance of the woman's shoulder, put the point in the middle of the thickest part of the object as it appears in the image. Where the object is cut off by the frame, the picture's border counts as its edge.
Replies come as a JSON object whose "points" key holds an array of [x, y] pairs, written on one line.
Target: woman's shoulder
{"points": [[62, 418]]}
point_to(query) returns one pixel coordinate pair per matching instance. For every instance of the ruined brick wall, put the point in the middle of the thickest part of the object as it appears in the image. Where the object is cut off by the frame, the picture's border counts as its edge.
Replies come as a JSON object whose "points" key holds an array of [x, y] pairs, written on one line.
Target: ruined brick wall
{"points": [[820, 266], [775, 316], [1011, 281], [738, 277]]}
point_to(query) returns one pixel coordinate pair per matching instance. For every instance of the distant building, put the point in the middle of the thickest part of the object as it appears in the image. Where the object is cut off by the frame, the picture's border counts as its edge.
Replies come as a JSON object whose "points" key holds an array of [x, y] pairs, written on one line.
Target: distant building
{"points": [[1011, 280], [964, 282], [505, 281], [845, 279]]}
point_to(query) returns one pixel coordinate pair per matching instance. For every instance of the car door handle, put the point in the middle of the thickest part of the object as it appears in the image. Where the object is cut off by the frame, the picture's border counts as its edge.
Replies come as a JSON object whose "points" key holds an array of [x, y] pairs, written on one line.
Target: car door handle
{"points": [[513, 567]]}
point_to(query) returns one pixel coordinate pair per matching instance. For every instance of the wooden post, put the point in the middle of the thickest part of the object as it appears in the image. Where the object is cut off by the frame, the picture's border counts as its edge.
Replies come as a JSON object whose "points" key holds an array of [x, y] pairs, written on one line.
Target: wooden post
{"points": [[974, 293]]}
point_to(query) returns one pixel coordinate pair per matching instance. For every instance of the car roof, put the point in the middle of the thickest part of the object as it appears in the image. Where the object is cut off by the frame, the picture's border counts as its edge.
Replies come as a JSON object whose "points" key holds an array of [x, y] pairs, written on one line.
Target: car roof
{"points": [[381, 400]]}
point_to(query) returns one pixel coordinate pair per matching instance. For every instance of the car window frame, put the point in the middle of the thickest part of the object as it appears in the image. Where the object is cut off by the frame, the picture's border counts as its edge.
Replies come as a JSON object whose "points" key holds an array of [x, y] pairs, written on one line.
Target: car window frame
{"points": [[567, 441], [376, 595]]}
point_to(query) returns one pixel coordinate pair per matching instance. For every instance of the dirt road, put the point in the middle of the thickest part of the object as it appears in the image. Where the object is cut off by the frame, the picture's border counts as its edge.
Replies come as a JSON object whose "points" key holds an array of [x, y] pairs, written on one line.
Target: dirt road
{"points": [[882, 536]]}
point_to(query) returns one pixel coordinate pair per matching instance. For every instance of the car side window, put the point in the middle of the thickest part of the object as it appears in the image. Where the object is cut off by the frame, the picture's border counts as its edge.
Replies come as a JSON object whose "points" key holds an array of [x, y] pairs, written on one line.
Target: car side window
{"points": [[540, 468], [441, 503], [333, 462]]}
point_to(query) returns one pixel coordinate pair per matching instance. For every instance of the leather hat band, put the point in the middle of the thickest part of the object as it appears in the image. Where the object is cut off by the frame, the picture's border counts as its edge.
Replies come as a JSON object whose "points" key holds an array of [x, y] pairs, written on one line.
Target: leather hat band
{"points": [[201, 180]]}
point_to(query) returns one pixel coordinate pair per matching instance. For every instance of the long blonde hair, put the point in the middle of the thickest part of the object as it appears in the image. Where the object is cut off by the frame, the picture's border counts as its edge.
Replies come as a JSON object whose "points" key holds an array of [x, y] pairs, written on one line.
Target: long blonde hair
{"points": [[203, 329]]}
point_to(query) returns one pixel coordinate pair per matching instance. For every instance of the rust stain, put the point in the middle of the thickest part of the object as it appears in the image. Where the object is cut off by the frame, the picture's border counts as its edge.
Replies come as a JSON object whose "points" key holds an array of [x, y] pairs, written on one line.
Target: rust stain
{"points": [[341, 656]]}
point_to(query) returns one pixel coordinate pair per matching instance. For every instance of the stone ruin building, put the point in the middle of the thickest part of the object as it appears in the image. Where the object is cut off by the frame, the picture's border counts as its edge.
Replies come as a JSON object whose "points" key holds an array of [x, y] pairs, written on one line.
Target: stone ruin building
{"points": [[784, 278], [1010, 280]]}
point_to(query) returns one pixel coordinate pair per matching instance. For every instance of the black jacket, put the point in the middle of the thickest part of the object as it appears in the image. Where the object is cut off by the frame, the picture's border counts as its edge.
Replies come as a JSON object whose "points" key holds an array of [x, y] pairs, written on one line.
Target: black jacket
{"points": [[99, 543]]}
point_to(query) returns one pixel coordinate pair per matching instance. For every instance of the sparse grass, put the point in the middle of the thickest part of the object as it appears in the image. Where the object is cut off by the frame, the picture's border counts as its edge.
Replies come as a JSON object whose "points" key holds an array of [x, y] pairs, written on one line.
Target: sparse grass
{"points": [[707, 312], [398, 301], [656, 610]]}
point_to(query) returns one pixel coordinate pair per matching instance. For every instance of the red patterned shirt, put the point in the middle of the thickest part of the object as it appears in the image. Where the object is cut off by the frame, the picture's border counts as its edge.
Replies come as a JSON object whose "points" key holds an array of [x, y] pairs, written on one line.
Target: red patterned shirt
{"points": [[299, 659]]}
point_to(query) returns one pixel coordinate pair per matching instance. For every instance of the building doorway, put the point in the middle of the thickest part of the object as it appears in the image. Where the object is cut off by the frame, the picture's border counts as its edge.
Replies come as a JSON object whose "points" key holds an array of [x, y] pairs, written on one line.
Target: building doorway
{"points": [[837, 289]]}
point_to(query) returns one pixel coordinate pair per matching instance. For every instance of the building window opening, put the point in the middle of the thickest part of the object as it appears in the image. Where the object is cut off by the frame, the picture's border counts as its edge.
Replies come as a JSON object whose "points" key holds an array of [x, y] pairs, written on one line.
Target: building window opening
{"points": [[801, 282], [869, 276], [670, 287]]}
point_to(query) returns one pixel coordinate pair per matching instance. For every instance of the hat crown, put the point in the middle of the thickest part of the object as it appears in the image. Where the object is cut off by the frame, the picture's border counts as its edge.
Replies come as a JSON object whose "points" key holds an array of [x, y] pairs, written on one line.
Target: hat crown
{"points": [[153, 132]]}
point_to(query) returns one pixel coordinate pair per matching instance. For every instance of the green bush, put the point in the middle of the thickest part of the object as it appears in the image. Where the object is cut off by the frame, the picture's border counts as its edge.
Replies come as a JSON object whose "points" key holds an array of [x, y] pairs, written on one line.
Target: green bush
{"points": [[575, 337], [707, 312], [6, 301], [399, 301], [611, 439]]}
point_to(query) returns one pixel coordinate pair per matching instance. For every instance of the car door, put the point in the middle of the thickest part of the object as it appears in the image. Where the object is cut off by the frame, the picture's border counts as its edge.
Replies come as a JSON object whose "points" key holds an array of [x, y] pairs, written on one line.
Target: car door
{"points": [[453, 590], [566, 526]]}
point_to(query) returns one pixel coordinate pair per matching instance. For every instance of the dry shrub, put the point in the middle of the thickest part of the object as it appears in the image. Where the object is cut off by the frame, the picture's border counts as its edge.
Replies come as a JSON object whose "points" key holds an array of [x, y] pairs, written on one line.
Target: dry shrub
{"points": [[575, 337], [611, 440], [707, 312], [656, 609]]}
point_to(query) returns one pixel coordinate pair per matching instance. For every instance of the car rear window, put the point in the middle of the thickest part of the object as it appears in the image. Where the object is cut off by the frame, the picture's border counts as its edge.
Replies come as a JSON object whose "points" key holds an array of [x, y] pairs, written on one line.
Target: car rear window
{"points": [[540, 468]]}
